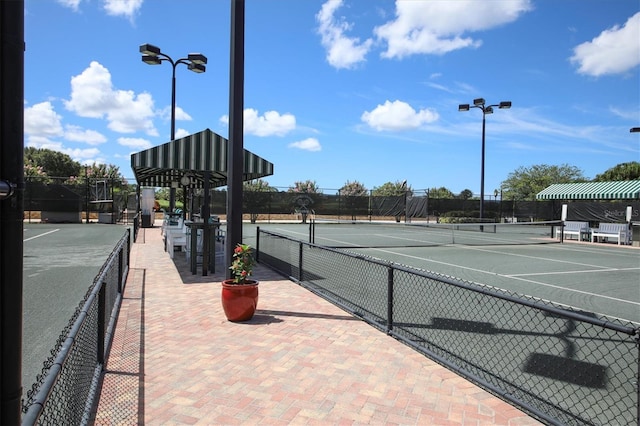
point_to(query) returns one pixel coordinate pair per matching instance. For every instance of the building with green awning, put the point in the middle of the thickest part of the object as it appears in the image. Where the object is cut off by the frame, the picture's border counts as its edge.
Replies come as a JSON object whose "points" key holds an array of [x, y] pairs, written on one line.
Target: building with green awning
{"points": [[165, 165], [617, 190]]}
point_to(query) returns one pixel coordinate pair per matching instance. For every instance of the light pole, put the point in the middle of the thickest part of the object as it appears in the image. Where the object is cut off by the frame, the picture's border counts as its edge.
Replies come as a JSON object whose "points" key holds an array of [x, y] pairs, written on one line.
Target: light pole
{"points": [[486, 109], [195, 62]]}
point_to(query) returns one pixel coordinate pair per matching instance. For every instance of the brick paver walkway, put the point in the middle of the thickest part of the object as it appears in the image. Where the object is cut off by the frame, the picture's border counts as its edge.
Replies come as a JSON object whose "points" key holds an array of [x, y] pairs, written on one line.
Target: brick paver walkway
{"points": [[176, 360]]}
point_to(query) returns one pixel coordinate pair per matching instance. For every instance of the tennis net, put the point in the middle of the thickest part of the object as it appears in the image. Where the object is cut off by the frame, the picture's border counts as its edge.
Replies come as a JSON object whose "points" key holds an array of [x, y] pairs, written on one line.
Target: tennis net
{"points": [[359, 234]]}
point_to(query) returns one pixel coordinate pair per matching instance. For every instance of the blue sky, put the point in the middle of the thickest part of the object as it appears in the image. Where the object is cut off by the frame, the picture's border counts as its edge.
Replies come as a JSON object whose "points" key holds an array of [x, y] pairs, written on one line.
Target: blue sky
{"points": [[345, 90]]}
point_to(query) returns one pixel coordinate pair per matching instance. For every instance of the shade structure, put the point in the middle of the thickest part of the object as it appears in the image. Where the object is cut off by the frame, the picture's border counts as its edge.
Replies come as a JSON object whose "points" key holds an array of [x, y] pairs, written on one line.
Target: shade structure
{"points": [[616, 190], [192, 156]]}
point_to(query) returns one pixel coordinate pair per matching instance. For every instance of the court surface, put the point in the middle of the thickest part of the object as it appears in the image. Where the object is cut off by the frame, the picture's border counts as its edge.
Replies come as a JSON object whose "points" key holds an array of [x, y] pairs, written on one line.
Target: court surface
{"points": [[601, 278], [59, 265]]}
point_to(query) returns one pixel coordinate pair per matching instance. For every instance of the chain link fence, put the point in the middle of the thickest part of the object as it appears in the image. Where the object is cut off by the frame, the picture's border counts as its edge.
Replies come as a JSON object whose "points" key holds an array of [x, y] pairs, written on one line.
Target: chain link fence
{"points": [[560, 365], [66, 389]]}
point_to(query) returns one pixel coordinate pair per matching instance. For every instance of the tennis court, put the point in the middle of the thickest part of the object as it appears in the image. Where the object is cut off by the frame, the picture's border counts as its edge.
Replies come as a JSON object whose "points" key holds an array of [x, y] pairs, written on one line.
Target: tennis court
{"points": [[599, 278], [59, 265]]}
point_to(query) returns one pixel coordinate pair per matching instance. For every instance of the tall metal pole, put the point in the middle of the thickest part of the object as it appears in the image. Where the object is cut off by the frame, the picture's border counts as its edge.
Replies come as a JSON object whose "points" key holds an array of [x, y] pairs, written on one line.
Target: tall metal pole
{"points": [[235, 160], [482, 168], [12, 47], [172, 190]]}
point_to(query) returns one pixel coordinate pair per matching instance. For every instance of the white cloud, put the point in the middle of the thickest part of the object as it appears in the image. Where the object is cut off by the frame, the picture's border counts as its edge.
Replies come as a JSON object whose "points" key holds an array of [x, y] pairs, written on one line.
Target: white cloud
{"points": [[309, 144], [437, 27], [135, 143], [181, 133], [84, 156], [398, 116], [126, 8], [77, 134], [42, 121], [342, 51], [614, 51], [269, 124], [181, 115], [71, 4], [93, 95]]}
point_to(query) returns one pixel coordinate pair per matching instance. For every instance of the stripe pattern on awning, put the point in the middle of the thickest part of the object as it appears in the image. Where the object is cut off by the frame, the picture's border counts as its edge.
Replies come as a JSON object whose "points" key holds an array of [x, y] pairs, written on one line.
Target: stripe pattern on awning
{"points": [[617, 190], [193, 155]]}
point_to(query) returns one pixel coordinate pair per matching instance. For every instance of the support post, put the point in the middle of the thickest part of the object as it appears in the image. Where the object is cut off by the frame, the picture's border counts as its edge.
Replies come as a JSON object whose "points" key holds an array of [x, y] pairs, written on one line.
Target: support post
{"points": [[235, 160], [12, 47]]}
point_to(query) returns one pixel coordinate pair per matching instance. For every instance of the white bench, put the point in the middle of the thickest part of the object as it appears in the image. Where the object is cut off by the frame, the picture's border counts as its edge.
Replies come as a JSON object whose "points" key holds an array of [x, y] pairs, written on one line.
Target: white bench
{"points": [[579, 229], [618, 231]]}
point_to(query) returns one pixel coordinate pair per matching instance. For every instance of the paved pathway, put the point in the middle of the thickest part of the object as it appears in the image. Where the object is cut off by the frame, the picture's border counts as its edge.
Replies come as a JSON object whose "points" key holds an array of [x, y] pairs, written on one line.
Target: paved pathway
{"points": [[176, 360]]}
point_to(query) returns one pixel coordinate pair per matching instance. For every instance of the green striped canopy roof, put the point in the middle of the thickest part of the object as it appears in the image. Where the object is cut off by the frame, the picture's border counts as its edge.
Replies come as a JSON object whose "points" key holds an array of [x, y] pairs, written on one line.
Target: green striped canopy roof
{"points": [[619, 190], [192, 155]]}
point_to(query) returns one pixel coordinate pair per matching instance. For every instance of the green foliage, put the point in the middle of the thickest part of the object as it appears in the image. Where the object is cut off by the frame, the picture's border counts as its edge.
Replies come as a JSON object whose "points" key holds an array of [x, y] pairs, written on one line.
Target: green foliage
{"points": [[258, 185], [441, 192], [524, 183], [306, 187], [354, 188], [465, 194], [623, 171], [391, 189], [242, 265], [53, 163]]}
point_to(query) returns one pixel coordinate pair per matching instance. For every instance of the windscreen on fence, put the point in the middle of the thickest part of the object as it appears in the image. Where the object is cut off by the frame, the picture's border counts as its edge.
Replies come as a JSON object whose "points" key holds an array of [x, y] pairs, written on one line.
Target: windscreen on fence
{"points": [[352, 234]]}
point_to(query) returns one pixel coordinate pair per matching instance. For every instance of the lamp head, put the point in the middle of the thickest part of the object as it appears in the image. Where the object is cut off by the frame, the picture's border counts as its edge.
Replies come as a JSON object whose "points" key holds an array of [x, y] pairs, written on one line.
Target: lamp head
{"points": [[463, 107], [149, 49], [197, 58], [488, 110], [505, 105], [151, 60], [634, 130], [198, 68], [478, 101]]}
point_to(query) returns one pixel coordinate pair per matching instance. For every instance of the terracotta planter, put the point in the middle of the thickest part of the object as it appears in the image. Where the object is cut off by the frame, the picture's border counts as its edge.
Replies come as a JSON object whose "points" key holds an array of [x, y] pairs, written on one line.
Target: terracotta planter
{"points": [[239, 301]]}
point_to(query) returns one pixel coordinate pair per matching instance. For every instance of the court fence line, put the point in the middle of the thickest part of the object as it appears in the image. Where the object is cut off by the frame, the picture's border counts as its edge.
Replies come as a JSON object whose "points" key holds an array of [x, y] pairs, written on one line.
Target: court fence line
{"points": [[68, 386], [559, 364]]}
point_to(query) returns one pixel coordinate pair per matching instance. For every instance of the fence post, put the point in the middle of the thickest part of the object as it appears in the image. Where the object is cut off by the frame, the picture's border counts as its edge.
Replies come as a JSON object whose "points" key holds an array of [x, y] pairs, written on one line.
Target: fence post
{"points": [[257, 251], [389, 299], [102, 309], [300, 261]]}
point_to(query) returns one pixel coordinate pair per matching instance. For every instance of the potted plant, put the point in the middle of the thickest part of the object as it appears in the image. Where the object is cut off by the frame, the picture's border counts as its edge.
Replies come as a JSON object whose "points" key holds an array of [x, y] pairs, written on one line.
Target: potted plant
{"points": [[240, 293]]}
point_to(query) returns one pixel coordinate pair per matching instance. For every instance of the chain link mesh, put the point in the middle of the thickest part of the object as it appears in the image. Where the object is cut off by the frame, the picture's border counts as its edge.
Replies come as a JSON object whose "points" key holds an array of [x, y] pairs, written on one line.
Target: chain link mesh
{"points": [[63, 392], [559, 364]]}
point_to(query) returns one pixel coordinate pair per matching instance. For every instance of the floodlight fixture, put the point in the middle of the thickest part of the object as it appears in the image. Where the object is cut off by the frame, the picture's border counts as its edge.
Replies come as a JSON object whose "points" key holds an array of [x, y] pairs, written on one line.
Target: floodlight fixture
{"points": [[478, 101], [149, 49], [197, 58], [151, 60], [463, 107], [634, 130]]}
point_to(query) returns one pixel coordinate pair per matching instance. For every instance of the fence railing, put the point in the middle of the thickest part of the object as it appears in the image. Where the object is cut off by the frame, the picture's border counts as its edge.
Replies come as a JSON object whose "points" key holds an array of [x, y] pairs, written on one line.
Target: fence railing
{"points": [[560, 365], [66, 390]]}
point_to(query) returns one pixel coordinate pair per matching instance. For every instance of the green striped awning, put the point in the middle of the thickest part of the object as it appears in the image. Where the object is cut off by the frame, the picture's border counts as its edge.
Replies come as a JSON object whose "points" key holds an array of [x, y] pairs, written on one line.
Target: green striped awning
{"points": [[618, 190], [192, 155]]}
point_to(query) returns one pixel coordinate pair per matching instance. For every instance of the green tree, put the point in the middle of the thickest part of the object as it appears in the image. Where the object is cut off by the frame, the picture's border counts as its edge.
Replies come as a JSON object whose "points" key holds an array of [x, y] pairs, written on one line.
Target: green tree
{"points": [[623, 171], [390, 189], [354, 188], [256, 197], [525, 182], [465, 194], [258, 185], [306, 187], [441, 192], [54, 164]]}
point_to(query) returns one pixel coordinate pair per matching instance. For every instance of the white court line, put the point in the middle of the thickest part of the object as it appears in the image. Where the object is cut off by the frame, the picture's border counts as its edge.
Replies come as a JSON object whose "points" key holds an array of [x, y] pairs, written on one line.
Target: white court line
{"points": [[41, 235], [574, 272], [515, 277], [576, 291]]}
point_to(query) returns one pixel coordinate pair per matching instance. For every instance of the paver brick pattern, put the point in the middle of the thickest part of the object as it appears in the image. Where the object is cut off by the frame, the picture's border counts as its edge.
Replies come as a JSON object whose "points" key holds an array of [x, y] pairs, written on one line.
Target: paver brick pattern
{"points": [[176, 360]]}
